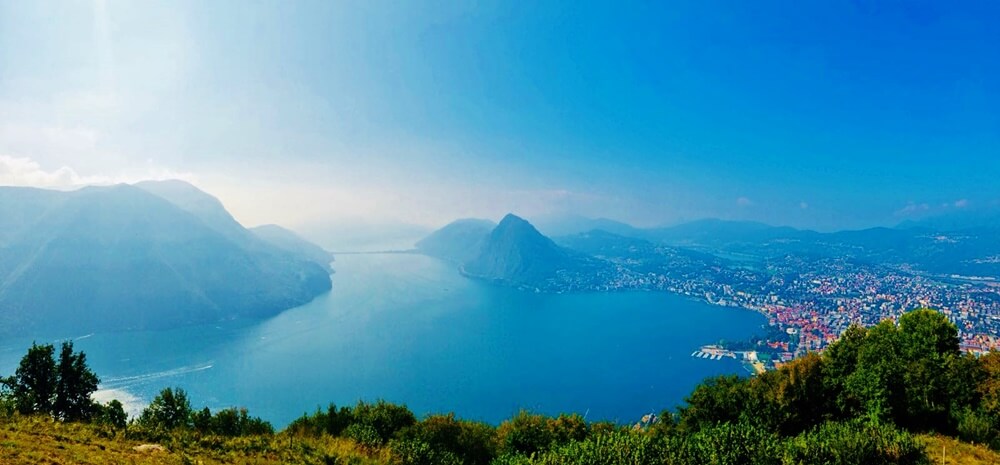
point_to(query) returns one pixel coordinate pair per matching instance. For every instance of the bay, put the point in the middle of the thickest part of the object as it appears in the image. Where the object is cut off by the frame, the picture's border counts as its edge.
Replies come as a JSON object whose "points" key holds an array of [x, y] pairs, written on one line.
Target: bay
{"points": [[410, 329]]}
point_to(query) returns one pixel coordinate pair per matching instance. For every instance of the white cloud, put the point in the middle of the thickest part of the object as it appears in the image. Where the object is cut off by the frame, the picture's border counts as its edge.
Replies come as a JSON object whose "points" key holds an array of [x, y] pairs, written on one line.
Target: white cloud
{"points": [[913, 209], [132, 404], [803, 205], [744, 202], [21, 171], [16, 171], [961, 203]]}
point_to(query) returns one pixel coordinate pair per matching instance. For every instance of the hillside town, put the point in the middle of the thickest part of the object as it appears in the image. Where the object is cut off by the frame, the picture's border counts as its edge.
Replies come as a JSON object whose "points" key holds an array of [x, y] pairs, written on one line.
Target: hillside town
{"points": [[809, 303]]}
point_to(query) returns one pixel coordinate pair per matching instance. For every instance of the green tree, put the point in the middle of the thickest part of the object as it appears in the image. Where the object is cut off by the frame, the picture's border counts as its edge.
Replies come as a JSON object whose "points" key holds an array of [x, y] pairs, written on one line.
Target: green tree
{"points": [[237, 422], [112, 414], [929, 348], [716, 400], [989, 386], [791, 399], [35, 381], [76, 382], [337, 420], [840, 360], [169, 410], [928, 333], [7, 404], [878, 382], [202, 421], [964, 374]]}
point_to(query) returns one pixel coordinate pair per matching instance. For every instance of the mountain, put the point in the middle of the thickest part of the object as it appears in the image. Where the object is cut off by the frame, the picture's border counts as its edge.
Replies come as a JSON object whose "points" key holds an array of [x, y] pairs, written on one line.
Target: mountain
{"points": [[640, 255], [120, 257], [716, 233], [205, 207], [516, 254], [460, 241], [600, 243], [961, 243], [964, 219], [21, 206], [359, 235], [213, 214], [566, 225], [294, 244]]}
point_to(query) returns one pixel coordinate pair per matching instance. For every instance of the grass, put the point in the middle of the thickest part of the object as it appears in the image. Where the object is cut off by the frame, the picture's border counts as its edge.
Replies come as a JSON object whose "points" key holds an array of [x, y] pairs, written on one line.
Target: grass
{"points": [[38, 440], [956, 452], [42, 441]]}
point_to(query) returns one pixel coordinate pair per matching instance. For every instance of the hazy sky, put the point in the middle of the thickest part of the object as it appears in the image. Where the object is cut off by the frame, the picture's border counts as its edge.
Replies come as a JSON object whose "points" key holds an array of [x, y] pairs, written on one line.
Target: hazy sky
{"points": [[825, 115]]}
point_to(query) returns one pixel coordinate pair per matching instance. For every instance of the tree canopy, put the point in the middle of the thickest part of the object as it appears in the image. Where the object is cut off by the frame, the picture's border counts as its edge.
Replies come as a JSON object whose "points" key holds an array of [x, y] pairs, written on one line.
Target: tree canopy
{"points": [[62, 390]]}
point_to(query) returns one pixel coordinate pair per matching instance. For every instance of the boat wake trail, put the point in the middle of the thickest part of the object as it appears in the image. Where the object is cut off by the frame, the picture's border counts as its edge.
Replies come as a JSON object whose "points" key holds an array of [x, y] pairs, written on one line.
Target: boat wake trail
{"points": [[131, 381]]}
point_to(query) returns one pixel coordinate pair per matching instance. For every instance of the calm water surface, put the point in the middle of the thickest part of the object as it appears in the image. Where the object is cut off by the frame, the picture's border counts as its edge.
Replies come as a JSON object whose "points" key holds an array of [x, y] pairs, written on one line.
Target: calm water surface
{"points": [[410, 329]]}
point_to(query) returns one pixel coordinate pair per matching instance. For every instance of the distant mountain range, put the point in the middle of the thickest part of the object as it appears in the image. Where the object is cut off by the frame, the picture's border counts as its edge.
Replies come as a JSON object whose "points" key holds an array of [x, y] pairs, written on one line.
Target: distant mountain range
{"points": [[151, 255], [965, 244], [293, 243], [566, 225], [459, 242]]}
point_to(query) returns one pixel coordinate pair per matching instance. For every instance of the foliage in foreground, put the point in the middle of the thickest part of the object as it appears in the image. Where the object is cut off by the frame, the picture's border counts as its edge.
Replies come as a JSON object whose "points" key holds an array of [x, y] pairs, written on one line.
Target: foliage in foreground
{"points": [[861, 401]]}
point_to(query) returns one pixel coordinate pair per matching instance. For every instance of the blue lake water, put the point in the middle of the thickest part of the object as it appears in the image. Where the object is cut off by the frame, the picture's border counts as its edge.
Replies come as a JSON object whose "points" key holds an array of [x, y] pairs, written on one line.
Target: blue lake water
{"points": [[410, 329]]}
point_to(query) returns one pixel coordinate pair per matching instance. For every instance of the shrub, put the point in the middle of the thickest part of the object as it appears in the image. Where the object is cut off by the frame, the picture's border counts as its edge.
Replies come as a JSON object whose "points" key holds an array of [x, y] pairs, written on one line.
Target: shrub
{"points": [[725, 444], [975, 426], [474, 443], [528, 433], [363, 434], [620, 447], [416, 452], [384, 418], [853, 443]]}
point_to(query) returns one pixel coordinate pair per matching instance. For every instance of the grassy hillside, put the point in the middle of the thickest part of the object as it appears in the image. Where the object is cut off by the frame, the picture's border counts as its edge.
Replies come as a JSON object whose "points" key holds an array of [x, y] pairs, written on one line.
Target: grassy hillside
{"points": [[38, 440], [955, 452]]}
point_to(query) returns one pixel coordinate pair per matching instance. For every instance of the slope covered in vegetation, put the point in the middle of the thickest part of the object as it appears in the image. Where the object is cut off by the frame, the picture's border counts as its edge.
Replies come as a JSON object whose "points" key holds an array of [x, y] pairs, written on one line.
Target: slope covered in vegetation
{"points": [[896, 393]]}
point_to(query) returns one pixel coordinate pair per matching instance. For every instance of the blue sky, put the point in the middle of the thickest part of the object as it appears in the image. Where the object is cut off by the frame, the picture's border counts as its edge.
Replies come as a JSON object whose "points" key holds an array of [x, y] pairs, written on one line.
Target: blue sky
{"points": [[814, 114]]}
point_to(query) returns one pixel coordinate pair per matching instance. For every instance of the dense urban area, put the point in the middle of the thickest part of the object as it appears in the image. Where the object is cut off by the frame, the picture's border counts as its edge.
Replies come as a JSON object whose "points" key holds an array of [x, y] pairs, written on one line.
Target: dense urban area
{"points": [[809, 303], [808, 296]]}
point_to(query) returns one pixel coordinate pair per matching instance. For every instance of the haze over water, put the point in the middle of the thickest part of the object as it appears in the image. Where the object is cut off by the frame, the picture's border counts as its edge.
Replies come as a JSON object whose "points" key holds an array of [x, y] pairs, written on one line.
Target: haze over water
{"points": [[410, 329]]}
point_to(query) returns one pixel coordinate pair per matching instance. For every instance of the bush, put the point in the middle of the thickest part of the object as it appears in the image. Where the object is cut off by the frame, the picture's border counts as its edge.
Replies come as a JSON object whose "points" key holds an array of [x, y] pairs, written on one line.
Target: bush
{"points": [[716, 400], [726, 444], [473, 443], [528, 433], [854, 443], [384, 418], [620, 447], [976, 427], [363, 434], [416, 452]]}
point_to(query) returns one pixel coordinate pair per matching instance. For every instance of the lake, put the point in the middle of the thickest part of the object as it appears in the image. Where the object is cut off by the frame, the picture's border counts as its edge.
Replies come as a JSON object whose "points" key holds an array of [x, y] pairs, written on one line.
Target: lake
{"points": [[410, 329]]}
